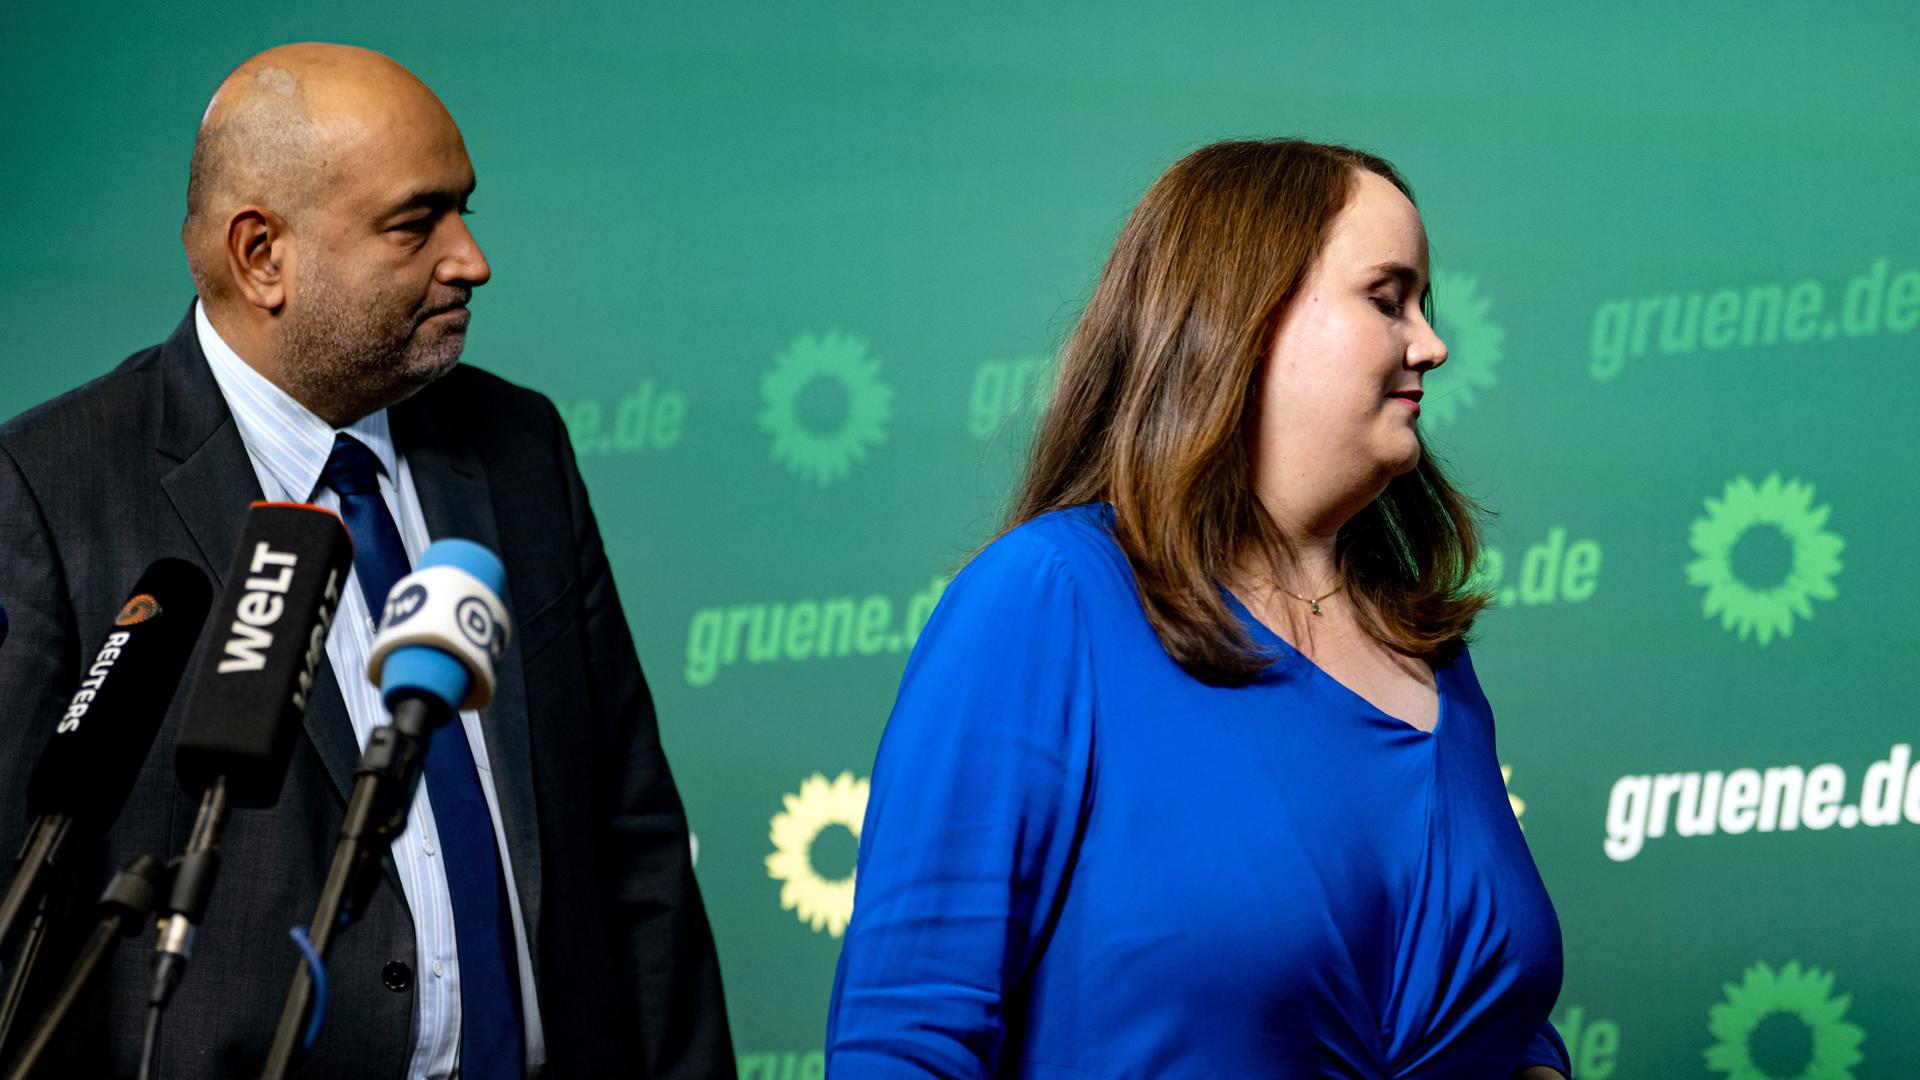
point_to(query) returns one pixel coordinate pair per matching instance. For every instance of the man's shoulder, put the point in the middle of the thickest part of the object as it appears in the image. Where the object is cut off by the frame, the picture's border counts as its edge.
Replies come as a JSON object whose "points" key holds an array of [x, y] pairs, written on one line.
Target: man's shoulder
{"points": [[473, 400], [467, 383], [95, 411]]}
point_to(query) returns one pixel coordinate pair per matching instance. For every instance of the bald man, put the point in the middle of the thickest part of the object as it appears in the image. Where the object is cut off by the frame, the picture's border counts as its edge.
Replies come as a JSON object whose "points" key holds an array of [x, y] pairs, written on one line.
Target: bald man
{"points": [[539, 915]]}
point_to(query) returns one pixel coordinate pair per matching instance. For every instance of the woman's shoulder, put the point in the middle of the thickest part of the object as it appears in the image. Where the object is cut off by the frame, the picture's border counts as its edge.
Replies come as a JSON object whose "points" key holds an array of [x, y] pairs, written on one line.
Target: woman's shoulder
{"points": [[1076, 541], [1030, 600]]}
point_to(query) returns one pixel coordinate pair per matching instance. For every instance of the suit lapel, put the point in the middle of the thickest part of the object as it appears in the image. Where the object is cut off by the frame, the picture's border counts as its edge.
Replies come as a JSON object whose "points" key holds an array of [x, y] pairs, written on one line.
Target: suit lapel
{"points": [[457, 502], [210, 482]]}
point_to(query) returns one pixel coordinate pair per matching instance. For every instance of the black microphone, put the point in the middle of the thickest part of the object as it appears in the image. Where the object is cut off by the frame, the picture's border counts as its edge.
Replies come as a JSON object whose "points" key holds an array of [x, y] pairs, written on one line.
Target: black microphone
{"points": [[441, 633], [249, 697], [249, 694], [90, 764], [3, 624]]}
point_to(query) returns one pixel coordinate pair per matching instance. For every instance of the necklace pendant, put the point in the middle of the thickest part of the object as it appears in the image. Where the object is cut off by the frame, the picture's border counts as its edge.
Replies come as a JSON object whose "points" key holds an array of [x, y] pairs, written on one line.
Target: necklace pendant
{"points": [[1316, 606]]}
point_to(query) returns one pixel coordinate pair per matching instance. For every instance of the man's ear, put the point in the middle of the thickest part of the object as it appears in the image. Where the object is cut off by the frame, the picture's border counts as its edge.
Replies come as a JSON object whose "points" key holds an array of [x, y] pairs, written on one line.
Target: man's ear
{"points": [[259, 250]]}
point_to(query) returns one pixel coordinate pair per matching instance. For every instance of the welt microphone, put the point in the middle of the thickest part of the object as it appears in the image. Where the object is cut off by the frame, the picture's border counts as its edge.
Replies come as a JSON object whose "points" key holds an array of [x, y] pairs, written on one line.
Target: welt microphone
{"points": [[89, 766], [249, 696]]}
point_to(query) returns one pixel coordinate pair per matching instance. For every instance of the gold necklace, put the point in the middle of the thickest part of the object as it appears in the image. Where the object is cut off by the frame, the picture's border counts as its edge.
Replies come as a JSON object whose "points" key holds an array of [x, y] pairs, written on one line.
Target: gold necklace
{"points": [[1313, 603]]}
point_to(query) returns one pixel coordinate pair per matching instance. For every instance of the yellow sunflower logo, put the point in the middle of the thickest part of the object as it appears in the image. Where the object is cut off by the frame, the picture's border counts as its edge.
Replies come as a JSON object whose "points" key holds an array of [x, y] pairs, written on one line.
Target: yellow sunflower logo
{"points": [[1783, 1025], [1474, 345], [831, 370], [820, 902], [1519, 805], [1764, 609]]}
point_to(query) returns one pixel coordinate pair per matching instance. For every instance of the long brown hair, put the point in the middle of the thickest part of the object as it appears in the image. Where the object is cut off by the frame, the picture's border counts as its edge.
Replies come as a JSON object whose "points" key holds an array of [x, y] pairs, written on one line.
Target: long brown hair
{"points": [[1150, 411]]}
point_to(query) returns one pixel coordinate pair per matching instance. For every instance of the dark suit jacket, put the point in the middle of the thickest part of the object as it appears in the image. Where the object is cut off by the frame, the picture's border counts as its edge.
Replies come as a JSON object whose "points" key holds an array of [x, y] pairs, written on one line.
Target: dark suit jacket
{"points": [[146, 462]]}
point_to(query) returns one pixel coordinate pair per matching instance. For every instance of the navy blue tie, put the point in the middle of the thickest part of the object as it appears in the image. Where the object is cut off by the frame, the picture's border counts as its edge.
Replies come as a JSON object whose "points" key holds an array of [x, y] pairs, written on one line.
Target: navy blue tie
{"points": [[490, 1033]]}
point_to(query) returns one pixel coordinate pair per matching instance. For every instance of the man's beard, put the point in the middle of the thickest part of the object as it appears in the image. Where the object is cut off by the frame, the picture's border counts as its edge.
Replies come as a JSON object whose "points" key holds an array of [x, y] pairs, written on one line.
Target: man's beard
{"points": [[347, 355]]}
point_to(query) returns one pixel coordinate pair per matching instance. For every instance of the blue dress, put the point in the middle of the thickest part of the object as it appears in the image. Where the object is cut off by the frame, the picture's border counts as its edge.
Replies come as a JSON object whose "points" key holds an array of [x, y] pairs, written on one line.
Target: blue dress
{"points": [[1079, 861]]}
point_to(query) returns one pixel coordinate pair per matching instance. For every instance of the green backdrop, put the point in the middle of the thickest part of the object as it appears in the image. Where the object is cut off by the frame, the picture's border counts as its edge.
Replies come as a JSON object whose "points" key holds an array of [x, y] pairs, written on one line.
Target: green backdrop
{"points": [[791, 271]]}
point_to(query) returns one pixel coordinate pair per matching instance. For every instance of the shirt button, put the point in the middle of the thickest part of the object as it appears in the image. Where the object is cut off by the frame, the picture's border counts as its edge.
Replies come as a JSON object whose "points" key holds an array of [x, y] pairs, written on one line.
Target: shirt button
{"points": [[397, 976], [439, 969], [426, 846]]}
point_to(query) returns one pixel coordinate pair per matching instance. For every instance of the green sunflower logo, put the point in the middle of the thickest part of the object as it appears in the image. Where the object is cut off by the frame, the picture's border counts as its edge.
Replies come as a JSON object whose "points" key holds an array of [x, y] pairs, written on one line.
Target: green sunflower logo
{"points": [[1776, 510], [819, 901], [824, 404], [1783, 1025], [1473, 347]]}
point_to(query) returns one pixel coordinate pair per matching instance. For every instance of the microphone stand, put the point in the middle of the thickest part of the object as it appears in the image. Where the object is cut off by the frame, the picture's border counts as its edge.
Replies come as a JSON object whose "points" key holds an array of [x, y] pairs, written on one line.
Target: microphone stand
{"points": [[39, 876], [376, 812], [39, 854], [22, 971], [124, 909], [194, 874]]}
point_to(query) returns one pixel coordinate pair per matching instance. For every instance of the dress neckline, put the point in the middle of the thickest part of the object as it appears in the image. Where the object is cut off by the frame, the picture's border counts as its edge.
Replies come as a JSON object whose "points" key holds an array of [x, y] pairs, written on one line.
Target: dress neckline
{"points": [[1266, 635]]}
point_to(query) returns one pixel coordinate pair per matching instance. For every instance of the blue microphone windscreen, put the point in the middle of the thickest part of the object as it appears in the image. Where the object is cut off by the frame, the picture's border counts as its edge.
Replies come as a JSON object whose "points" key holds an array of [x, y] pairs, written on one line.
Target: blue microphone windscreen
{"points": [[429, 670], [469, 556], [422, 669]]}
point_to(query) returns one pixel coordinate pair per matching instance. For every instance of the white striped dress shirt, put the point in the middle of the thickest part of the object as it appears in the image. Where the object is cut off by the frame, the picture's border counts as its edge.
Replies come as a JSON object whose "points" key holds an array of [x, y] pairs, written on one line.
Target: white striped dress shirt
{"points": [[289, 447]]}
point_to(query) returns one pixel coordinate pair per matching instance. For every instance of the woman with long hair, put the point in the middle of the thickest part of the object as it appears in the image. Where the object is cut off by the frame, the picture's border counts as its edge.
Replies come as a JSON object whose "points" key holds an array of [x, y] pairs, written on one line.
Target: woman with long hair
{"points": [[1190, 774]]}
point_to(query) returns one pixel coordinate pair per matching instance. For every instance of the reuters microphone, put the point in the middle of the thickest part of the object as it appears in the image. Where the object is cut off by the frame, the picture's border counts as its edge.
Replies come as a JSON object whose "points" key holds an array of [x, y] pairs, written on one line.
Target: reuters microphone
{"points": [[441, 633], [90, 764], [249, 696]]}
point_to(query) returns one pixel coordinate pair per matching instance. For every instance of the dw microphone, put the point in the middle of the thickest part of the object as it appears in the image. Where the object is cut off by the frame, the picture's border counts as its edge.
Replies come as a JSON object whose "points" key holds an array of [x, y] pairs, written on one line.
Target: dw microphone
{"points": [[249, 696], [89, 766], [441, 634]]}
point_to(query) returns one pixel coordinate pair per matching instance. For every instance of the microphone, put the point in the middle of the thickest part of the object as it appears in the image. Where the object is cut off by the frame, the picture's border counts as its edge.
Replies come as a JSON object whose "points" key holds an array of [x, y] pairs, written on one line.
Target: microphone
{"points": [[3, 624], [249, 694], [89, 766], [249, 697], [442, 630]]}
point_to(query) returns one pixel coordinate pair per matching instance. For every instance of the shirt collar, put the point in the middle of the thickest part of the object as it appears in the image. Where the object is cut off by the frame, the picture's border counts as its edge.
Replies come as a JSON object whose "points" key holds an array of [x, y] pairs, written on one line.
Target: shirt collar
{"points": [[288, 441]]}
